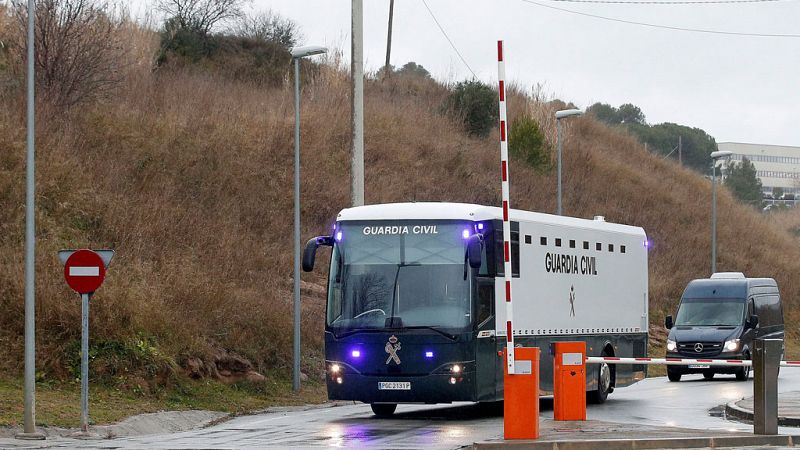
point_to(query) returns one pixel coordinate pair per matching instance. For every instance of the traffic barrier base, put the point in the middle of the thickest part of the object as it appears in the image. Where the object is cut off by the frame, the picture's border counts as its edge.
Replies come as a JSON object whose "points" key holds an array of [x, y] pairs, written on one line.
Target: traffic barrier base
{"points": [[569, 380], [521, 395]]}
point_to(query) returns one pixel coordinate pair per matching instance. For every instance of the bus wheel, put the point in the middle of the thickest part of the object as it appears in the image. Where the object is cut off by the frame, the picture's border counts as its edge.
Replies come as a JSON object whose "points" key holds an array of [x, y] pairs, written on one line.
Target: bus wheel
{"points": [[603, 385], [383, 409], [708, 375], [673, 375]]}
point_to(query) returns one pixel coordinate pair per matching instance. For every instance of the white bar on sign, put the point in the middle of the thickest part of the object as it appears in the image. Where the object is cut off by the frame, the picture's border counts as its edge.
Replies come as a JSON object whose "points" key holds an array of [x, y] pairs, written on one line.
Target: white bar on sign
{"points": [[572, 359], [84, 271]]}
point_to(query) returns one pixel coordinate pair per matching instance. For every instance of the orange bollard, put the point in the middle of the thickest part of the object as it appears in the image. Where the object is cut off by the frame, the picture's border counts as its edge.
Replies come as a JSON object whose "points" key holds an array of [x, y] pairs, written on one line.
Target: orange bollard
{"points": [[521, 396], [569, 380]]}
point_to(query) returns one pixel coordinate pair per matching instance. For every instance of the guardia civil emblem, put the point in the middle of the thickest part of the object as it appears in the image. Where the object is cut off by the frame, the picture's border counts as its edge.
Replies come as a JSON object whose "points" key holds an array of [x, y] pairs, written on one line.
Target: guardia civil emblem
{"points": [[392, 347]]}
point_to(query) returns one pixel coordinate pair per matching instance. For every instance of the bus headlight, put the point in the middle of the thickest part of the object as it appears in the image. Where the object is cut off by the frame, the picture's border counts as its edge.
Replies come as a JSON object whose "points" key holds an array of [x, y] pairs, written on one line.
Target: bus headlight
{"points": [[671, 346], [732, 346], [335, 369], [455, 369]]}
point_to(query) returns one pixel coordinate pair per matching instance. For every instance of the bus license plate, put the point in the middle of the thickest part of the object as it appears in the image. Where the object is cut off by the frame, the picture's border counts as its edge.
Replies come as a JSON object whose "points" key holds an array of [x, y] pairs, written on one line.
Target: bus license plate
{"points": [[394, 385], [698, 366]]}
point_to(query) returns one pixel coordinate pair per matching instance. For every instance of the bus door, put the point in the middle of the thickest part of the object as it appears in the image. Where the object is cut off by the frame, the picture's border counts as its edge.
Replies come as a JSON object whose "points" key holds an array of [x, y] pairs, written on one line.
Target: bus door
{"points": [[486, 358]]}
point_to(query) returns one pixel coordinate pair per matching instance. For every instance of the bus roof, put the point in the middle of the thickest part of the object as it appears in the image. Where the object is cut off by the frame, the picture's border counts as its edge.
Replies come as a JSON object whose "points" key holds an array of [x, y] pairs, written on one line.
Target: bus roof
{"points": [[471, 212]]}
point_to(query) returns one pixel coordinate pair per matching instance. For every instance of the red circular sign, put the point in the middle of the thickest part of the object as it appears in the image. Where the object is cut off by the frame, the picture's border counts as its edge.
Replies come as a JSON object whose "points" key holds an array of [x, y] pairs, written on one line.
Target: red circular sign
{"points": [[84, 271]]}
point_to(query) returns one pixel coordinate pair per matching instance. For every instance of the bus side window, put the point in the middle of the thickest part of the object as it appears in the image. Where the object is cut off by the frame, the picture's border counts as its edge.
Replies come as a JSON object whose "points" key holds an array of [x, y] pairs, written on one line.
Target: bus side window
{"points": [[485, 301], [500, 252]]}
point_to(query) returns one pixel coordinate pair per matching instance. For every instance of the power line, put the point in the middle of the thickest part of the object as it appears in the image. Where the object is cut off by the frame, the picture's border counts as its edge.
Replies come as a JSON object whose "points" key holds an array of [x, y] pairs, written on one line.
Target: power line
{"points": [[666, 2], [448, 38], [666, 27]]}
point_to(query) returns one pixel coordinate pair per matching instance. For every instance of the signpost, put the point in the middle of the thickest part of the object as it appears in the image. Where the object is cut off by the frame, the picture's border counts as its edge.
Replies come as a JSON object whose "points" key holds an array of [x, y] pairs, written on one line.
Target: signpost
{"points": [[85, 271]]}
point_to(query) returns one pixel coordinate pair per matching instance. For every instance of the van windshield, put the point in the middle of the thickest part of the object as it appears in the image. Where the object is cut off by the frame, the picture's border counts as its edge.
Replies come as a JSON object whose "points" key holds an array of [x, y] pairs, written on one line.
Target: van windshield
{"points": [[698, 312]]}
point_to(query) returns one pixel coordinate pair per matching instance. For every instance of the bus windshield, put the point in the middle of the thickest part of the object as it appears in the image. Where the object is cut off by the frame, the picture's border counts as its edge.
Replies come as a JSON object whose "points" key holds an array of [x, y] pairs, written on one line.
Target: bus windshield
{"points": [[413, 272], [710, 312]]}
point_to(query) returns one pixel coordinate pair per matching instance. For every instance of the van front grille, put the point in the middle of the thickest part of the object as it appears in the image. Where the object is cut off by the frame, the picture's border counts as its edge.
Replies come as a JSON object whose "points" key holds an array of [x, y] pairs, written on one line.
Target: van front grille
{"points": [[705, 348]]}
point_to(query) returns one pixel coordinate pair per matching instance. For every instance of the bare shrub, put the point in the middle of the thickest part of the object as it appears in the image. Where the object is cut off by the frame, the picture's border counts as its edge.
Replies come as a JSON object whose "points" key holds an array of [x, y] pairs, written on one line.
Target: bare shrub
{"points": [[268, 27], [79, 53], [201, 15]]}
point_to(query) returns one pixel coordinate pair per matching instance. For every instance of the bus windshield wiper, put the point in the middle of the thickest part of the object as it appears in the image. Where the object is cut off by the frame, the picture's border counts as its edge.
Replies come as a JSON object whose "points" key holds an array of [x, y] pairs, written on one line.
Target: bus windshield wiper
{"points": [[452, 337], [395, 288], [353, 331]]}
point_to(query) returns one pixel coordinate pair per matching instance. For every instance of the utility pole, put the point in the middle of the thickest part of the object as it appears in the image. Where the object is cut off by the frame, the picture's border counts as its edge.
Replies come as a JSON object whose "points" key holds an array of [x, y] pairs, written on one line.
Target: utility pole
{"points": [[386, 66], [357, 89], [29, 423], [680, 151]]}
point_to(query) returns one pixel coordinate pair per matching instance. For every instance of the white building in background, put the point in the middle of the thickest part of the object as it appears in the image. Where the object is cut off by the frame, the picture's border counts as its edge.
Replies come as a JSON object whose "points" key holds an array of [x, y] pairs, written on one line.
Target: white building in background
{"points": [[776, 165]]}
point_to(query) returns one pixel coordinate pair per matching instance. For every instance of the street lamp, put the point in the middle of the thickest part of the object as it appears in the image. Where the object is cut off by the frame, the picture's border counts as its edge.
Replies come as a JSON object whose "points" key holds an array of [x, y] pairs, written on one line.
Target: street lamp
{"points": [[297, 54], [561, 115], [714, 157]]}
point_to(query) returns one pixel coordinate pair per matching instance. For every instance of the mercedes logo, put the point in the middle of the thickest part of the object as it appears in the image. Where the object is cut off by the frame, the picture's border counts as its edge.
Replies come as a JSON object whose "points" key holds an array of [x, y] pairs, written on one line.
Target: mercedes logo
{"points": [[698, 347]]}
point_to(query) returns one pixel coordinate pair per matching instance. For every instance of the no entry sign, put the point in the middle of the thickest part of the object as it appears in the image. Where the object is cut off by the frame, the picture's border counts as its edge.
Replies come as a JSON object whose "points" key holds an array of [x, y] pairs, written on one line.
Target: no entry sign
{"points": [[84, 271]]}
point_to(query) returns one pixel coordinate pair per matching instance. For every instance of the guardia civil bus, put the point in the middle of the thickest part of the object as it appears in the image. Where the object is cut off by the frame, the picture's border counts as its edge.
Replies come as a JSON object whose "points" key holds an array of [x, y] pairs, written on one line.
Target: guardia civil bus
{"points": [[415, 302]]}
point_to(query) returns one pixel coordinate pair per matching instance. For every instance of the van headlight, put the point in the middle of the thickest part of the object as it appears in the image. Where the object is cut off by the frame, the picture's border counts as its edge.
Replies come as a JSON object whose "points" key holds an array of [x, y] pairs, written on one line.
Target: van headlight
{"points": [[671, 346], [731, 346]]}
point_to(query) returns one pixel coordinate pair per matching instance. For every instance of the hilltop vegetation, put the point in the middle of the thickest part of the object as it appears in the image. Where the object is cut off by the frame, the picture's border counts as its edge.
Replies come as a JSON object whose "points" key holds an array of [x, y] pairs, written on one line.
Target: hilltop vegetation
{"points": [[185, 172]]}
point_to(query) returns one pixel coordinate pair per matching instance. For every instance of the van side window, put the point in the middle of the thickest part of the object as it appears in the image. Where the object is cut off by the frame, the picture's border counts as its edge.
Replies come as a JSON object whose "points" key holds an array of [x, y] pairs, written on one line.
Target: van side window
{"points": [[485, 301]]}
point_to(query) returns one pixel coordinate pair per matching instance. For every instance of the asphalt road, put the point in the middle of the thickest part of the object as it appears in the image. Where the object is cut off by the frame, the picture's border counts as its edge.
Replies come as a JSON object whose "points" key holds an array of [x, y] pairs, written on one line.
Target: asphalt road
{"points": [[653, 402]]}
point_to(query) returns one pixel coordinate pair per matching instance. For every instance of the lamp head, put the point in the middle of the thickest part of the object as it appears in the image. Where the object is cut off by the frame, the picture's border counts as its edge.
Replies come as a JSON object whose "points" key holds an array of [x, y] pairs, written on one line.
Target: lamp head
{"points": [[721, 154], [567, 113], [309, 50]]}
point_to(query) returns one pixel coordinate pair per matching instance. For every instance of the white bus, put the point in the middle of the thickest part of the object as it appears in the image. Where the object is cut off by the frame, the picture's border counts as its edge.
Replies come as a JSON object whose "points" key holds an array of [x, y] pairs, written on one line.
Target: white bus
{"points": [[416, 310]]}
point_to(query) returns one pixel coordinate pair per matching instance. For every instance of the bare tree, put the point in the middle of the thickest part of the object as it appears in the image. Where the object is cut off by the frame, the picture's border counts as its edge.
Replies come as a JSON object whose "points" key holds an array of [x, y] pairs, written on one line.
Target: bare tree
{"points": [[79, 53], [268, 27], [201, 15]]}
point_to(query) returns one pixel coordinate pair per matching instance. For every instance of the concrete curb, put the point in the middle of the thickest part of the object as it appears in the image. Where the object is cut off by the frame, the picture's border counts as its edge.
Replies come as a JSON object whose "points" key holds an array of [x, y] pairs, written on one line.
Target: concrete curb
{"points": [[734, 410], [632, 444]]}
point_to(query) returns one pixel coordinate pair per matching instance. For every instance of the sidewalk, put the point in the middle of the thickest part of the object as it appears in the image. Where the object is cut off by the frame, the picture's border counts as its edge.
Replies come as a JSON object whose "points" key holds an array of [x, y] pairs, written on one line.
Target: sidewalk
{"points": [[593, 434], [788, 409]]}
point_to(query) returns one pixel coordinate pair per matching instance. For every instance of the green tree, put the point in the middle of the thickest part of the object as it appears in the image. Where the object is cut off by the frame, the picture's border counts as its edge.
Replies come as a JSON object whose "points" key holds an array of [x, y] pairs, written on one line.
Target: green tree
{"points": [[526, 140], [604, 113], [476, 104], [742, 181], [412, 68], [629, 113]]}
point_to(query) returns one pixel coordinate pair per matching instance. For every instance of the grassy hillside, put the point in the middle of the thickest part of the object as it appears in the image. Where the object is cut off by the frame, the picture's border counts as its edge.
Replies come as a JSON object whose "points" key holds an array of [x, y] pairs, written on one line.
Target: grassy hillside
{"points": [[187, 175]]}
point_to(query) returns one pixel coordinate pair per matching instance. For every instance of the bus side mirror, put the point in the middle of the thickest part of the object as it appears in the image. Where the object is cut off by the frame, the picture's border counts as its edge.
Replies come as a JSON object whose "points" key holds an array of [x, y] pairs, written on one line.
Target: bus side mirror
{"points": [[668, 323], [752, 322], [310, 253], [474, 249]]}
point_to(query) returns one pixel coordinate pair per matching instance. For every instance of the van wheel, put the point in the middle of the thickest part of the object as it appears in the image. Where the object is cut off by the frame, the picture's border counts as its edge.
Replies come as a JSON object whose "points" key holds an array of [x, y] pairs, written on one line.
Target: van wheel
{"points": [[708, 375], [743, 373], [603, 385], [383, 409], [673, 375]]}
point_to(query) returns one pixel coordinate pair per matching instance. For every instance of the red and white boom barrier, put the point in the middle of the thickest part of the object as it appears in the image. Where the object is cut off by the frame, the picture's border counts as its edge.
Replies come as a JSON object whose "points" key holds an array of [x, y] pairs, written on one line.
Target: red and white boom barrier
{"points": [[679, 361]]}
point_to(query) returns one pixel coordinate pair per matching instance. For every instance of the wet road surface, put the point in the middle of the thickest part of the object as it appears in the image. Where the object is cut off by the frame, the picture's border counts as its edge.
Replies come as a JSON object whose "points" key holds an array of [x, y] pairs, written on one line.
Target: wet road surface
{"points": [[652, 402]]}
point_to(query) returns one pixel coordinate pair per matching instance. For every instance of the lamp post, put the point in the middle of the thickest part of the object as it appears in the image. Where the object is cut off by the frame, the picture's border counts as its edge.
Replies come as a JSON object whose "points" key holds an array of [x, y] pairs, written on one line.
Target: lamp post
{"points": [[297, 54], [714, 157], [561, 115]]}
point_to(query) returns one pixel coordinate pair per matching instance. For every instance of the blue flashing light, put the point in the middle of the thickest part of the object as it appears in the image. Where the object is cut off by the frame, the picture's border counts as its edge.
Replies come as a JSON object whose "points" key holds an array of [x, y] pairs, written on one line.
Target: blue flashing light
{"points": [[338, 236], [480, 226], [355, 353], [465, 234], [429, 355]]}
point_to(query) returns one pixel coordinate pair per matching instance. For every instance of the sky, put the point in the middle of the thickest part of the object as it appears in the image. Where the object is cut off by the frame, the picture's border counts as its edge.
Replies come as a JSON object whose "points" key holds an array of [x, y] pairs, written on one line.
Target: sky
{"points": [[736, 88]]}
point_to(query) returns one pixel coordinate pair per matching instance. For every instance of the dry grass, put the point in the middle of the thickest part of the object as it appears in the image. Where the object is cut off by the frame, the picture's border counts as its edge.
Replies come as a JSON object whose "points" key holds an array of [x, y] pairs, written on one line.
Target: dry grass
{"points": [[188, 176]]}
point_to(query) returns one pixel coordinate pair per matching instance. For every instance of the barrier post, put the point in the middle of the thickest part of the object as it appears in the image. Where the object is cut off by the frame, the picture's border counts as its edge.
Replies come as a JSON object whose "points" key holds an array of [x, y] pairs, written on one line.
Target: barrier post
{"points": [[521, 395], [569, 380], [766, 359]]}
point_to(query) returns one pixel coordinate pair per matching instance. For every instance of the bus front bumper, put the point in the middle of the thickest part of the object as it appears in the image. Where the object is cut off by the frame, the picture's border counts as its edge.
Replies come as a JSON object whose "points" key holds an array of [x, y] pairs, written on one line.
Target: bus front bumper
{"points": [[434, 388]]}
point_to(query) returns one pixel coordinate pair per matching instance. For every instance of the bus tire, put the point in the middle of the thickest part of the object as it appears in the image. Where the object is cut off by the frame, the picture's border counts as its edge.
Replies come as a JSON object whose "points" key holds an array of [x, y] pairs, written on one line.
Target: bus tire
{"points": [[600, 395], [383, 409], [673, 375]]}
